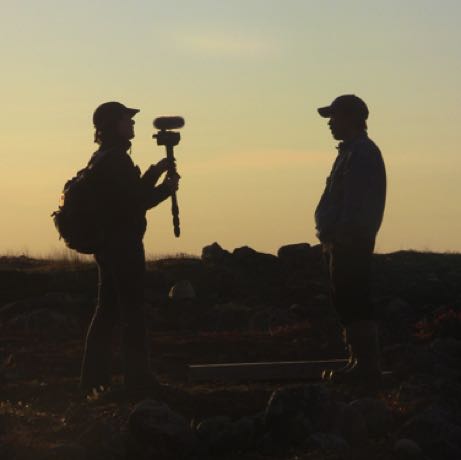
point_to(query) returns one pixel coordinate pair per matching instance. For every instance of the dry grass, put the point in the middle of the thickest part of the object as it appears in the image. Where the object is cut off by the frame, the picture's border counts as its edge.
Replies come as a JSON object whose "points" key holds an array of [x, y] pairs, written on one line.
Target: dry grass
{"points": [[67, 259]]}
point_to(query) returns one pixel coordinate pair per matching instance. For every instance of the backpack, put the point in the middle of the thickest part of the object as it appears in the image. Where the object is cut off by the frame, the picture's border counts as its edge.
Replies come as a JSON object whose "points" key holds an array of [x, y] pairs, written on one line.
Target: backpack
{"points": [[78, 218]]}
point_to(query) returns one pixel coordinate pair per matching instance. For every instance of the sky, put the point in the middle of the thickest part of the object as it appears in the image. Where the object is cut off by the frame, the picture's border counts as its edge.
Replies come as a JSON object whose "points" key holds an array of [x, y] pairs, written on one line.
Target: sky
{"points": [[247, 76]]}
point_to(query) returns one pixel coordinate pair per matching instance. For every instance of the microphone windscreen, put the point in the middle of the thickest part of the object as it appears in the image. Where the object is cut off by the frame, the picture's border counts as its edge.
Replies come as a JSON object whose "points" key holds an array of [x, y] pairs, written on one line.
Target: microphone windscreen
{"points": [[169, 122]]}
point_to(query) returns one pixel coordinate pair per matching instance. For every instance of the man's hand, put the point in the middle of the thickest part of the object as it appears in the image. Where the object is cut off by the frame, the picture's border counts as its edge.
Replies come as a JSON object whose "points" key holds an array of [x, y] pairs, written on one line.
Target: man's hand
{"points": [[172, 182], [162, 166], [153, 173]]}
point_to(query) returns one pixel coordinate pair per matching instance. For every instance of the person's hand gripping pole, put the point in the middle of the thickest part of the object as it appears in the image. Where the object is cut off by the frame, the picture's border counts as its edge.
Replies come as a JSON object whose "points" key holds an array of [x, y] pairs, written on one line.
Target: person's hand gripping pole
{"points": [[165, 136]]}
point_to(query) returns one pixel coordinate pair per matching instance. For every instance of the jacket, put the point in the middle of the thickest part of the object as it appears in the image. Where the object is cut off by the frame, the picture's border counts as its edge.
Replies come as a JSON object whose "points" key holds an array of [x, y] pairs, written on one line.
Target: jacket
{"points": [[352, 205], [125, 195]]}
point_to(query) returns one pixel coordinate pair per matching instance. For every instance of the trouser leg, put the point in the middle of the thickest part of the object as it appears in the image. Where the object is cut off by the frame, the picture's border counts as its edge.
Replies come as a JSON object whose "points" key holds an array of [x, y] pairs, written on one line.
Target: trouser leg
{"points": [[130, 272], [351, 359], [350, 293], [96, 363], [350, 273]]}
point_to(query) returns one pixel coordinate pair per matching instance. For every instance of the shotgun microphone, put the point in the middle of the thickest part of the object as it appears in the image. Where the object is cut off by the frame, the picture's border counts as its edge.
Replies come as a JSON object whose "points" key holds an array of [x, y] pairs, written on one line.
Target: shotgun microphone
{"points": [[165, 136], [166, 123]]}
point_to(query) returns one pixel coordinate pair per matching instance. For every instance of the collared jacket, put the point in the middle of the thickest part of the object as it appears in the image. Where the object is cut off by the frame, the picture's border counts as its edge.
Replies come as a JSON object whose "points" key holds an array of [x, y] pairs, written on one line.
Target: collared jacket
{"points": [[125, 194], [352, 205]]}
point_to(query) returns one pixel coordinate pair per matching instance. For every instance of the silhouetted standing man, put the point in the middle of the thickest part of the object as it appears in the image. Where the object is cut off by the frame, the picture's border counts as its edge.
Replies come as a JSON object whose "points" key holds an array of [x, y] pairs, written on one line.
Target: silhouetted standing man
{"points": [[348, 218], [126, 196]]}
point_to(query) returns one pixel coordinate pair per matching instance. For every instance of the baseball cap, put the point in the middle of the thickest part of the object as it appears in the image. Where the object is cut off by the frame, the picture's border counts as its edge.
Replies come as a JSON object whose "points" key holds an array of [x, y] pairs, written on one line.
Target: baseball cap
{"points": [[110, 112], [348, 104]]}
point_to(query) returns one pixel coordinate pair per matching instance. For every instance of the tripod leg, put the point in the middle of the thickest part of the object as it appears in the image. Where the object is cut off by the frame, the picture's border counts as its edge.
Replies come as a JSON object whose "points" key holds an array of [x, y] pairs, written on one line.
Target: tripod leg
{"points": [[175, 212], [174, 200]]}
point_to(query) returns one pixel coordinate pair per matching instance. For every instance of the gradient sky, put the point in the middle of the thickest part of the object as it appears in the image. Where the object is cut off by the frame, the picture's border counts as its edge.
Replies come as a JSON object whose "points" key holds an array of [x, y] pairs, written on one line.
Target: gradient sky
{"points": [[247, 75]]}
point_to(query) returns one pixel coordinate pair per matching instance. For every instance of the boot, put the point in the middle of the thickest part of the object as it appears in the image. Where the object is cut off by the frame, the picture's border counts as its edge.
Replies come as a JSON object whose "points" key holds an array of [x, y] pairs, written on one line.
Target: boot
{"points": [[363, 338], [327, 374]]}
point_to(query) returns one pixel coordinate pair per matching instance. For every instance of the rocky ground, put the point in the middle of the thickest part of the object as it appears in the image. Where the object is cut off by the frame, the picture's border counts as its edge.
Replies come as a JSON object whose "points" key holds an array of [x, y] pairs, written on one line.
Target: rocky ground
{"points": [[230, 307]]}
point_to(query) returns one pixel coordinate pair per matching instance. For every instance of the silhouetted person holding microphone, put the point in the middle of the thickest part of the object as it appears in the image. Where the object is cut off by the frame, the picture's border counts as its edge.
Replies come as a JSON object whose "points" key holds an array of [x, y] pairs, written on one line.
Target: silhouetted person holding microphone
{"points": [[121, 262], [348, 218]]}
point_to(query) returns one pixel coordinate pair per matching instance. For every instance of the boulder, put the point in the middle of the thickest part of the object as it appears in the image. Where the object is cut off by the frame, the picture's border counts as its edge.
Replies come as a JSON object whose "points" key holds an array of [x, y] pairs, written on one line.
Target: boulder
{"points": [[350, 424], [61, 301], [295, 255], [449, 396], [211, 428], [244, 431], [408, 449], [292, 412], [315, 310], [249, 257], [182, 290], [397, 310], [220, 434], [447, 351], [327, 441], [435, 432], [68, 451], [229, 316], [154, 425], [45, 321], [96, 437], [378, 417], [214, 253], [415, 360]]}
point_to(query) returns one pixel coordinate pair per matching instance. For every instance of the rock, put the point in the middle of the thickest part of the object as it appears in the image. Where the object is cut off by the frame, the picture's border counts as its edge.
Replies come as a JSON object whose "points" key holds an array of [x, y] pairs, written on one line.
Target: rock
{"points": [[103, 441], [447, 350], [97, 435], [327, 441], [295, 255], [415, 360], [45, 321], [320, 310], [397, 310], [270, 319], [280, 317], [214, 253], [68, 452], [449, 396], [378, 417], [118, 446], [435, 432], [182, 290], [222, 435], [407, 449], [299, 311], [60, 301], [260, 320], [244, 252], [211, 428], [243, 432], [291, 413], [351, 425], [411, 391], [154, 424], [230, 316], [249, 257], [444, 450]]}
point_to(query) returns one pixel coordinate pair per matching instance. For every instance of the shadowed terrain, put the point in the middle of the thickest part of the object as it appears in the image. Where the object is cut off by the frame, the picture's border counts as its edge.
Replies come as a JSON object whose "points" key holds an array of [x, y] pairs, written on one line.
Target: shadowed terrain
{"points": [[239, 307]]}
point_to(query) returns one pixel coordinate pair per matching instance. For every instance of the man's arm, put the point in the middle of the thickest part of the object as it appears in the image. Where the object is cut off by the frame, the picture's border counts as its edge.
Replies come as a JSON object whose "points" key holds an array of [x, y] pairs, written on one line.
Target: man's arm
{"points": [[155, 195], [352, 224]]}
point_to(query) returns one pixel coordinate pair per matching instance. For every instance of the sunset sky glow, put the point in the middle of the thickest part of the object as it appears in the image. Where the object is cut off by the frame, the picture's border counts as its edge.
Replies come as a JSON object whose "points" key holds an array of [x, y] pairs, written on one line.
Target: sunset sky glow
{"points": [[247, 75]]}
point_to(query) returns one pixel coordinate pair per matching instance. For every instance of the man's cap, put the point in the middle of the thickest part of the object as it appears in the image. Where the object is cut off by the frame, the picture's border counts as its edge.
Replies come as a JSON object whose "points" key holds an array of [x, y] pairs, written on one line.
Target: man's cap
{"points": [[110, 112], [348, 104]]}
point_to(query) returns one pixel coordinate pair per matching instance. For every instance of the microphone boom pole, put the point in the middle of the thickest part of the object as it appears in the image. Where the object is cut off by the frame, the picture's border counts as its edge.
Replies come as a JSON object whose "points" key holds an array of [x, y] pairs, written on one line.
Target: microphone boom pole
{"points": [[169, 139]]}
